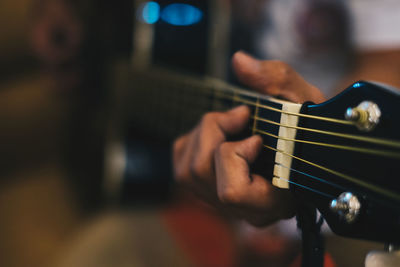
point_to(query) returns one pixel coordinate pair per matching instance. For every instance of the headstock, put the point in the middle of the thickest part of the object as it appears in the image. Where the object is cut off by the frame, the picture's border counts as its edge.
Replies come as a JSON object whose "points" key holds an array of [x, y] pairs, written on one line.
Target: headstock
{"points": [[354, 171]]}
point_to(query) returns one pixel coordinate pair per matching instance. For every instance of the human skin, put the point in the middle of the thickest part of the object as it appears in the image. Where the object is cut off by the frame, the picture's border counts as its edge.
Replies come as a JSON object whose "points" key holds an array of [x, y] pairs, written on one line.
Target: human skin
{"points": [[218, 170]]}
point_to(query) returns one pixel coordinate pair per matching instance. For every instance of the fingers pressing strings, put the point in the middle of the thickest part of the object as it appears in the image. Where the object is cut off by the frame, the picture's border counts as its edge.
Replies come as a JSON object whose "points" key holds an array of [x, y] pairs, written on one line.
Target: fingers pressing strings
{"points": [[247, 194], [194, 152], [212, 131]]}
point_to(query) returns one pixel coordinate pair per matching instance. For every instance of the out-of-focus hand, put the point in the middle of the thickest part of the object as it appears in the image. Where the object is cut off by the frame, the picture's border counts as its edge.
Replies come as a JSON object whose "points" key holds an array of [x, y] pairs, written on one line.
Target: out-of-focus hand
{"points": [[276, 78], [218, 170]]}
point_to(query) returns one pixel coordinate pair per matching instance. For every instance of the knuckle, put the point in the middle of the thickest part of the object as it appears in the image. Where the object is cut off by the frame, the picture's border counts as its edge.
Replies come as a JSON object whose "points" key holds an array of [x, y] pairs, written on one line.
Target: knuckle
{"points": [[281, 71], [282, 66]]}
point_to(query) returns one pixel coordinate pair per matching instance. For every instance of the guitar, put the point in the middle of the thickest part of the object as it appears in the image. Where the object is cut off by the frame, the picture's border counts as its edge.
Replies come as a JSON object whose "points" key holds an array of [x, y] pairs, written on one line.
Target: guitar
{"points": [[341, 156]]}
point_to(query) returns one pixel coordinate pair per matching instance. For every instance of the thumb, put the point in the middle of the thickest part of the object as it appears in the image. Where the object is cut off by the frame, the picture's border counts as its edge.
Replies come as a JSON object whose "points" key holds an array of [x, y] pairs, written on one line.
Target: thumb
{"points": [[274, 78]]}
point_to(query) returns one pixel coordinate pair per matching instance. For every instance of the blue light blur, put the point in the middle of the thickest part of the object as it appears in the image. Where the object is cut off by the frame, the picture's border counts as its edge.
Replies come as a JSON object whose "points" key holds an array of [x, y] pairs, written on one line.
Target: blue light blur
{"points": [[181, 14], [151, 12], [356, 85]]}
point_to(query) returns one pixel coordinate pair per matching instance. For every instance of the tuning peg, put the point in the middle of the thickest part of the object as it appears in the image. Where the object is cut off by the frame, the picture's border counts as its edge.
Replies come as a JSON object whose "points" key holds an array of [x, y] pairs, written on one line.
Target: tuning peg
{"points": [[365, 116], [347, 206]]}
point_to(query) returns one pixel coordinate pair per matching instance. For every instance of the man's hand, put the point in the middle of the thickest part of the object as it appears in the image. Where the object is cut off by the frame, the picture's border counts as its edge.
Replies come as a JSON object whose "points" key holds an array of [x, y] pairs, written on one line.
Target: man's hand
{"points": [[275, 78], [217, 170]]}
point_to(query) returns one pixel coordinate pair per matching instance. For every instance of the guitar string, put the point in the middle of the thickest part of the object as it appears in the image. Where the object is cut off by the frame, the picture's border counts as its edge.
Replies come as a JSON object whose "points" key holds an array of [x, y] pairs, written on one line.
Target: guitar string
{"points": [[352, 179], [225, 87], [336, 173], [189, 84], [349, 178], [312, 176], [333, 120], [220, 94], [387, 142], [390, 143], [309, 188], [306, 187], [254, 128], [384, 153], [380, 141]]}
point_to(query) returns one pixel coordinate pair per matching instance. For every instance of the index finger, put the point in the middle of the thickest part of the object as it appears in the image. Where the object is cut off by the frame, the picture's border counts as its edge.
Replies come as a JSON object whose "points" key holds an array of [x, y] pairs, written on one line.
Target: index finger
{"points": [[238, 187]]}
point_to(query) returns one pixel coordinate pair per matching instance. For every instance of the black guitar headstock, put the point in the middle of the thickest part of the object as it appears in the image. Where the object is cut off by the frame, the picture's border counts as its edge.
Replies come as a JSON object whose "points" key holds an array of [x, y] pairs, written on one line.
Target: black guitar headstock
{"points": [[349, 161]]}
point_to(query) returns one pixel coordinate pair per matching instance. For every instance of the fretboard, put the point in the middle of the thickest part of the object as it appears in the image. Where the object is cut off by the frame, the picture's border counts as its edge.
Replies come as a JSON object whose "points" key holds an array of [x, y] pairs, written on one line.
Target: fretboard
{"points": [[168, 104], [163, 104]]}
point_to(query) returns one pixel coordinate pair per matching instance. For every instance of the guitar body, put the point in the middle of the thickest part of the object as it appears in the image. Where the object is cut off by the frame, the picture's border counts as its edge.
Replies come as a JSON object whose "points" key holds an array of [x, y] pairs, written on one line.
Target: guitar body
{"points": [[379, 216]]}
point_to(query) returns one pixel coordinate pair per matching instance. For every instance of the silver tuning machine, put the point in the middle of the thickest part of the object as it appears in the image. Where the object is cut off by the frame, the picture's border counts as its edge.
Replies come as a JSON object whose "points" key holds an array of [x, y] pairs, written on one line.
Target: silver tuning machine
{"points": [[347, 206], [365, 116]]}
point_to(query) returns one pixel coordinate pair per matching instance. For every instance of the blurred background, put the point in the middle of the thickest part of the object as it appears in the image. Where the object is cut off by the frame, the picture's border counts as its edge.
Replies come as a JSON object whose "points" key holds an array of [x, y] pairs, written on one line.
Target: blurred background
{"points": [[85, 182]]}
